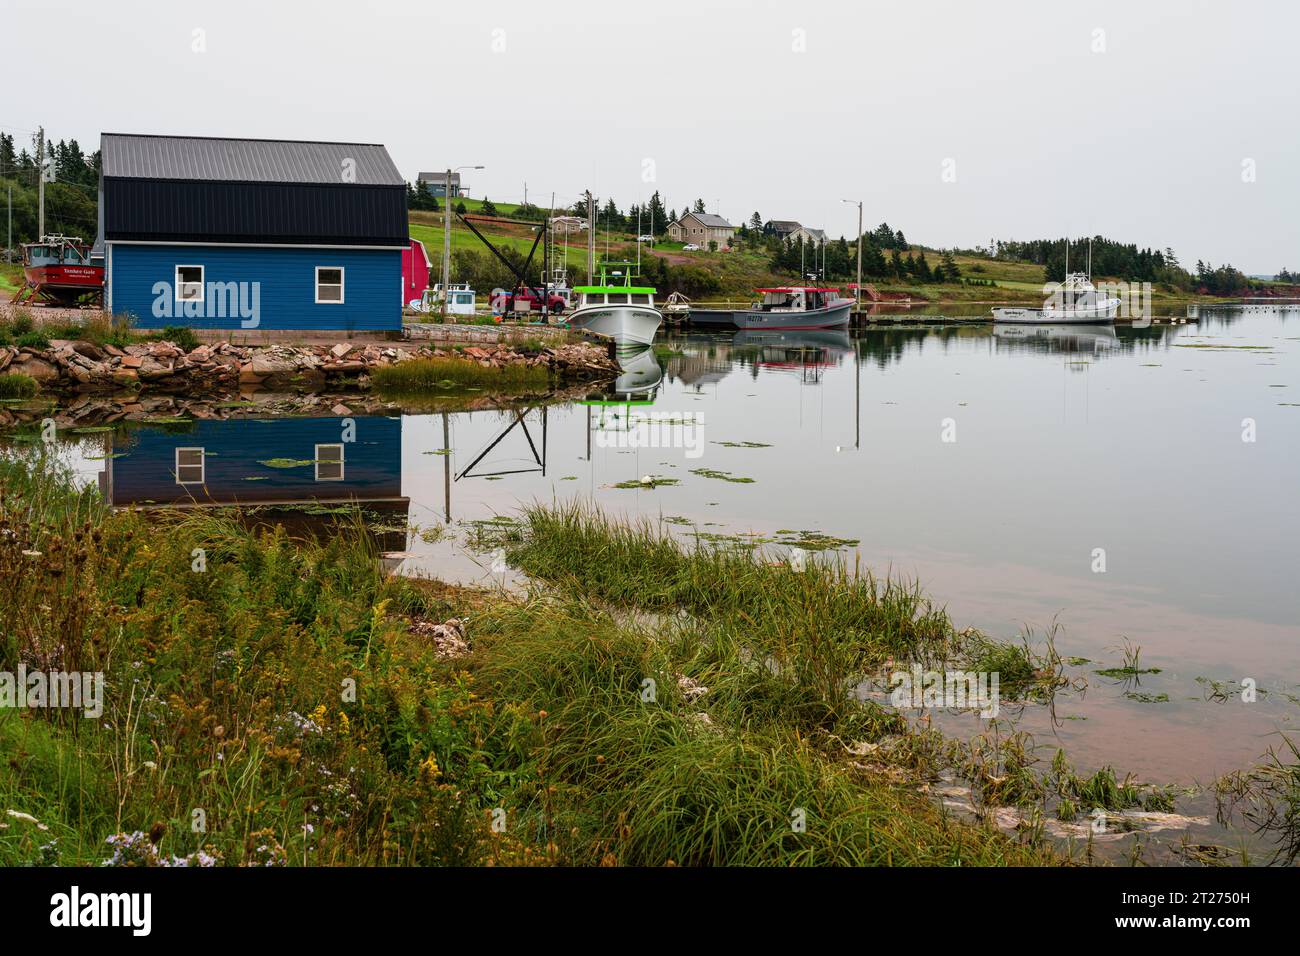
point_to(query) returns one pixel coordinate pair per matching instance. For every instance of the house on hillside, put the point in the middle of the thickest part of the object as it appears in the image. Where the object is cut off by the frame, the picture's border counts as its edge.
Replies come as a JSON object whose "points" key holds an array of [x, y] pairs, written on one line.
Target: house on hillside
{"points": [[808, 235], [249, 233], [781, 228], [435, 184], [702, 228]]}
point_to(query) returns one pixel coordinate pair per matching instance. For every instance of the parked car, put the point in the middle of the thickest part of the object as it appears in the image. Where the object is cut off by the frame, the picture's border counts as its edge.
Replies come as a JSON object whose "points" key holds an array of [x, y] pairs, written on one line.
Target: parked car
{"points": [[645, 238], [690, 247]]}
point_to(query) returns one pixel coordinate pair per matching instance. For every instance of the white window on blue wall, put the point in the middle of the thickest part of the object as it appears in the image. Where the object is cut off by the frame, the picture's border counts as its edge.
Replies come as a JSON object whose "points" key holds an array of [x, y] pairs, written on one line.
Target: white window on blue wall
{"points": [[189, 283], [189, 466], [329, 462], [329, 284]]}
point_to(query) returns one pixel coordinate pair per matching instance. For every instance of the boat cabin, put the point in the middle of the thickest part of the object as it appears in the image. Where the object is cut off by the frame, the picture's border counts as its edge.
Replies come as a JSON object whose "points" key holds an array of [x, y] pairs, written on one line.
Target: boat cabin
{"points": [[56, 251], [615, 288], [795, 299], [593, 295]]}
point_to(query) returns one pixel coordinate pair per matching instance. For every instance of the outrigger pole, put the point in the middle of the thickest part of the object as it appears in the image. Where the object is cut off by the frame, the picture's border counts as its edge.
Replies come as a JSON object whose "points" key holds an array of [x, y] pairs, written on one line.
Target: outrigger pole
{"points": [[519, 274]]}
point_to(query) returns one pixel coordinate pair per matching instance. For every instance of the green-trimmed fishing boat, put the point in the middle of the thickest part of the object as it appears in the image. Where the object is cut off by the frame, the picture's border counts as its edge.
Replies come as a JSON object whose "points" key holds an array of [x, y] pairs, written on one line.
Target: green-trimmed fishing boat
{"points": [[617, 308]]}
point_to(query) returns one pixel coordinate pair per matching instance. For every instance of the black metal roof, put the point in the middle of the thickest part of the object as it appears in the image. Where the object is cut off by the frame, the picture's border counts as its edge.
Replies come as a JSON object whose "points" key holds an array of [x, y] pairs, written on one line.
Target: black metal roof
{"points": [[198, 189], [139, 156]]}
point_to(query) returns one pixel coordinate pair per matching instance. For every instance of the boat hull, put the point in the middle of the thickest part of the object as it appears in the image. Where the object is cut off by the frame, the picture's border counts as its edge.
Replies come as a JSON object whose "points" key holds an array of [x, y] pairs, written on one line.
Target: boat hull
{"points": [[625, 324], [832, 316], [712, 318], [1098, 314]]}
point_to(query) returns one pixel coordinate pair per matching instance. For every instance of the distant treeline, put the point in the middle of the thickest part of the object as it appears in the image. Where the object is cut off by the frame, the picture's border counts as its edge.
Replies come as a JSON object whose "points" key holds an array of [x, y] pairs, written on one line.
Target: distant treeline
{"points": [[70, 201], [1125, 261]]}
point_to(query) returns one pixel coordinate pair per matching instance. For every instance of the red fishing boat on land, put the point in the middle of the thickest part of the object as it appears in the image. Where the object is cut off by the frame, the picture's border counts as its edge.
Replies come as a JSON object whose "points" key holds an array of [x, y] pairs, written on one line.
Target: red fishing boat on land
{"points": [[58, 271]]}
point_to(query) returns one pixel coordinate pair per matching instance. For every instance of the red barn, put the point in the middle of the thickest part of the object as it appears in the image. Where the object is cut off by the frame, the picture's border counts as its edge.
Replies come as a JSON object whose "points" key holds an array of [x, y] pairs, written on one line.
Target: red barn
{"points": [[415, 272]]}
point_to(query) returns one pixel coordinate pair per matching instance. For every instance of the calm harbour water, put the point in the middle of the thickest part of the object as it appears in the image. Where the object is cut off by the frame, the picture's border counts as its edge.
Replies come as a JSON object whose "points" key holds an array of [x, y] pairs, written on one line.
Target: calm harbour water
{"points": [[1064, 441]]}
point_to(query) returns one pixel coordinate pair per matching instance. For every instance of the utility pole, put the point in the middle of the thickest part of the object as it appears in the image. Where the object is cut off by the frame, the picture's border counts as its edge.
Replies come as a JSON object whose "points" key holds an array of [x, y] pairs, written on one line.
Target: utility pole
{"points": [[859, 289], [446, 237], [40, 177], [591, 240], [446, 242]]}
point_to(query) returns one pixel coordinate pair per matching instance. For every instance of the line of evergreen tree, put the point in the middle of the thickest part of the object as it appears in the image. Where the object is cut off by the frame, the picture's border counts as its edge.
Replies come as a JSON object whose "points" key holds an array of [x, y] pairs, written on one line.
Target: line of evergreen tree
{"points": [[71, 200]]}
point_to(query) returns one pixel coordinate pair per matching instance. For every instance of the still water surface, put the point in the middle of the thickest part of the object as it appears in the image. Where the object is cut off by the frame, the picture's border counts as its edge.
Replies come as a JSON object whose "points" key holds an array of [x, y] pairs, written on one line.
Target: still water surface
{"points": [[999, 467]]}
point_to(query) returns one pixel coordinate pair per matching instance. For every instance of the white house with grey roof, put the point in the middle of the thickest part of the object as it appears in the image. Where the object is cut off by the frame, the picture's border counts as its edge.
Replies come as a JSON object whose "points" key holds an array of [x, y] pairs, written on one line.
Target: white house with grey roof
{"points": [[702, 228], [435, 184]]}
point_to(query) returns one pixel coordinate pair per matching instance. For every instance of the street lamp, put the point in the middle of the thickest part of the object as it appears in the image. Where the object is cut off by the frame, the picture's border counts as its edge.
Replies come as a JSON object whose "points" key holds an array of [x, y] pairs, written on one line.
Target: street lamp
{"points": [[858, 203], [446, 237]]}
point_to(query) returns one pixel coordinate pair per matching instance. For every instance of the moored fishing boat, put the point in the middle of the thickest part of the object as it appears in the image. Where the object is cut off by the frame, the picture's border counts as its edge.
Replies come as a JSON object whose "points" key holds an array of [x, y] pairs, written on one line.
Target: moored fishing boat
{"points": [[617, 309], [1076, 300], [795, 307]]}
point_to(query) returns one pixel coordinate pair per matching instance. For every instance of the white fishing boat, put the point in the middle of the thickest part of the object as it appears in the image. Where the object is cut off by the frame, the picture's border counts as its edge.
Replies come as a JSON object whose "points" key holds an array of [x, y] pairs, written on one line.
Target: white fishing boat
{"points": [[617, 309], [1076, 300], [460, 300]]}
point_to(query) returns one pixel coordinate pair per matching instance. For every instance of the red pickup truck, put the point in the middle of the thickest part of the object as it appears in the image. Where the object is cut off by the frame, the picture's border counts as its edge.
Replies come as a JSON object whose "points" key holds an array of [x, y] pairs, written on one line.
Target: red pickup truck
{"points": [[524, 301]]}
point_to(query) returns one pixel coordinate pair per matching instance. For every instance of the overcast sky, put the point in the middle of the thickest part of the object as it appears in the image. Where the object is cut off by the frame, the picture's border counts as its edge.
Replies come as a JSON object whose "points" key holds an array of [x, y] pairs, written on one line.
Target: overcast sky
{"points": [[1138, 120]]}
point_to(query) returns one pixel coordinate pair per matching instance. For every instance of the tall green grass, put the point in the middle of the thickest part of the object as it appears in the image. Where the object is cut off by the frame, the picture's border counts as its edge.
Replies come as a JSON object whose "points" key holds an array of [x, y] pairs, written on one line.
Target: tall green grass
{"points": [[17, 385], [431, 374], [282, 689]]}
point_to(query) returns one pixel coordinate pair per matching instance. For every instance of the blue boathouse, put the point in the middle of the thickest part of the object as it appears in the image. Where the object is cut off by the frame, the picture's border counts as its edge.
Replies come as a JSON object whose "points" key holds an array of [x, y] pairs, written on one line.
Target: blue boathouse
{"points": [[252, 234]]}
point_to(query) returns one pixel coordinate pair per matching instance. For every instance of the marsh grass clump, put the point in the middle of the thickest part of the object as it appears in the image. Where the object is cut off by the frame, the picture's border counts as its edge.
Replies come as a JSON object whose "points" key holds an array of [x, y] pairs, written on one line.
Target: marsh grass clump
{"points": [[17, 385], [1267, 797], [428, 374], [828, 604]]}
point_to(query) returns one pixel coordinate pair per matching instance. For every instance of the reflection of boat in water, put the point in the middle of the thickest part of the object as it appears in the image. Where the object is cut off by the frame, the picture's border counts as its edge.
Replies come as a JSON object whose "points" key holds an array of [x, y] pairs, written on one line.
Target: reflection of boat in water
{"points": [[1059, 338], [833, 340], [640, 376], [807, 351]]}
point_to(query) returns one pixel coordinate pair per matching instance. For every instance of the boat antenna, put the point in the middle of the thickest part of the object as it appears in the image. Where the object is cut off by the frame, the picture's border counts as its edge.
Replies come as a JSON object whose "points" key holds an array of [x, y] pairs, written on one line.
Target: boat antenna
{"points": [[1090, 259], [1067, 257]]}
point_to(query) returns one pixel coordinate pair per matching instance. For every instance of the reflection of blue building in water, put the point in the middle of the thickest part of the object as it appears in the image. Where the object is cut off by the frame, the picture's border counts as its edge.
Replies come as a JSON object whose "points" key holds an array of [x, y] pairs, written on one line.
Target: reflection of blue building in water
{"points": [[277, 461]]}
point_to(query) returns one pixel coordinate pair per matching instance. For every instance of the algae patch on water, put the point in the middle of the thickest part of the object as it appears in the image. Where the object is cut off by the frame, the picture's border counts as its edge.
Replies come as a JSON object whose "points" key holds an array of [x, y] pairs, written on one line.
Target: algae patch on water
{"points": [[722, 476], [649, 481]]}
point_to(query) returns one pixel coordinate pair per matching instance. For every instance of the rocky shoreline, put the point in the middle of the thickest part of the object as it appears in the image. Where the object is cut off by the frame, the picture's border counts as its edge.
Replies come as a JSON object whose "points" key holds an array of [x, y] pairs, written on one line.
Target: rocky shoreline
{"points": [[222, 368], [91, 410]]}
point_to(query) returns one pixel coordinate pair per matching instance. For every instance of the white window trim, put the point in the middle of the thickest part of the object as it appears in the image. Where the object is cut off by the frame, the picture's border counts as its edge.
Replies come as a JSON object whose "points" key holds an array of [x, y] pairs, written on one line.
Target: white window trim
{"points": [[203, 275], [203, 466], [342, 460], [343, 286]]}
